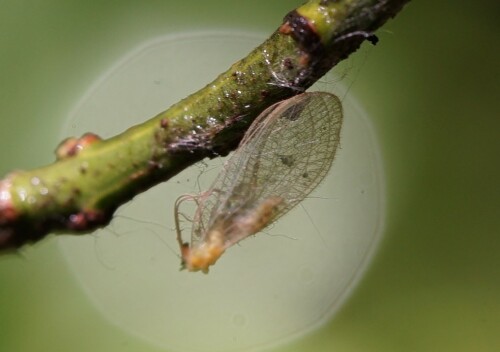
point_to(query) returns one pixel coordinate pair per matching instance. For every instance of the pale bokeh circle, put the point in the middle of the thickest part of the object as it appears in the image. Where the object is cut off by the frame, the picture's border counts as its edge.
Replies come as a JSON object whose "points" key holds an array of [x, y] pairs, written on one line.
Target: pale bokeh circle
{"points": [[271, 288]]}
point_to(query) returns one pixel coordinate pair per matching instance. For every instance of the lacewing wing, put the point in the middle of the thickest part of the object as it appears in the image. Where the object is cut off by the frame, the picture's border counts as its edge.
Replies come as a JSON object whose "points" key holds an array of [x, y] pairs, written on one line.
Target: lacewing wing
{"points": [[284, 155]]}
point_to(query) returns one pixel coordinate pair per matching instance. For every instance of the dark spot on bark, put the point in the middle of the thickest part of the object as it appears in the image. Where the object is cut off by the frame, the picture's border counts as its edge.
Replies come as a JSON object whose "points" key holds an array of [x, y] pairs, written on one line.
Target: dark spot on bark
{"points": [[373, 39], [302, 31], [288, 63], [86, 219], [163, 123]]}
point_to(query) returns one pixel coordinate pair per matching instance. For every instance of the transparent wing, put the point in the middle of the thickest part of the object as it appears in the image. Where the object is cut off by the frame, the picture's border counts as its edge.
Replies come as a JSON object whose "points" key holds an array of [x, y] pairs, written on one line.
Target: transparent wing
{"points": [[286, 153]]}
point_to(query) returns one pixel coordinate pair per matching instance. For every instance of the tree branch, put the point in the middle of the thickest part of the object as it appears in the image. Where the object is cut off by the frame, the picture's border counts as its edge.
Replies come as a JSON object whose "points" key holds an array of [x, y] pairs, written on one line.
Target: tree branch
{"points": [[92, 177]]}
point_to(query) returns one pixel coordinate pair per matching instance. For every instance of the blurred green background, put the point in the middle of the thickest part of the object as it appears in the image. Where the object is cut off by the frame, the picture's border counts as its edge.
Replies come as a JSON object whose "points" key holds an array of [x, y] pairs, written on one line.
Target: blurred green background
{"points": [[431, 86]]}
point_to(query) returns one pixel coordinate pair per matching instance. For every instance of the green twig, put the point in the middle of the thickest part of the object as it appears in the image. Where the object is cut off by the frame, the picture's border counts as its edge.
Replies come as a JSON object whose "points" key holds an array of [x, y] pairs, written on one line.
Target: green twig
{"points": [[91, 177]]}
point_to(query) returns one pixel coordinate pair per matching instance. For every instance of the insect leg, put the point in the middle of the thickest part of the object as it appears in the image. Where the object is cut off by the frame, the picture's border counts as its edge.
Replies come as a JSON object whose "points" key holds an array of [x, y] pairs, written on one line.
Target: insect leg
{"points": [[177, 205]]}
